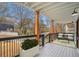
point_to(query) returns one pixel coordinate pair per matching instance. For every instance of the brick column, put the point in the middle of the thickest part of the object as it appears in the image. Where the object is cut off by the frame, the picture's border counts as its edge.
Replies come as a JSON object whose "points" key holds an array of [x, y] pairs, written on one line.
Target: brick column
{"points": [[37, 32], [52, 28], [52, 31]]}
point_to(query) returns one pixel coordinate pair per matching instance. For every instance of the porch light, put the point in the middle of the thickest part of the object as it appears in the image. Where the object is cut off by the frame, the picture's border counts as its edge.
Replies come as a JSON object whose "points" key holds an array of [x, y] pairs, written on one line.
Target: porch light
{"points": [[75, 12]]}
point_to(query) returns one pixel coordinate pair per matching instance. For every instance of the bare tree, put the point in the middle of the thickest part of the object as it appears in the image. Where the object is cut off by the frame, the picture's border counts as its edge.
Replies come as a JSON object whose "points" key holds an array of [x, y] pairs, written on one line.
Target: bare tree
{"points": [[27, 26], [43, 27]]}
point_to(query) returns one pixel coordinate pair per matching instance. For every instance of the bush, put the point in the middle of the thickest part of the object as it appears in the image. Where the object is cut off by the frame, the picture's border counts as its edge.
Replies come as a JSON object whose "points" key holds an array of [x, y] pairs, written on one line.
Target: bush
{"points": [[27, 44]]}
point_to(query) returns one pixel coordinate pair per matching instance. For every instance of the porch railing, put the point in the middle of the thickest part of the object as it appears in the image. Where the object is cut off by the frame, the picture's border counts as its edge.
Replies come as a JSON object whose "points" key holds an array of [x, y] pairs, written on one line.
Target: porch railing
{"points": [[11, 46], [66, 36]]}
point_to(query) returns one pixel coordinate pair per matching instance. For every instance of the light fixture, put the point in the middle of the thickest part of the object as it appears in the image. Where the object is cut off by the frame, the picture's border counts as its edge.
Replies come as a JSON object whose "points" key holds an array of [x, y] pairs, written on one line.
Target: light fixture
{"points": [[75, 12]]}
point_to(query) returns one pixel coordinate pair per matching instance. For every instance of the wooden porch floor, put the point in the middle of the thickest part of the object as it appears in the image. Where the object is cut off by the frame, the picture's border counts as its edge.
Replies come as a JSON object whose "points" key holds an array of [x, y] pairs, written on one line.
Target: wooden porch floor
{"points": [[54, 50]]}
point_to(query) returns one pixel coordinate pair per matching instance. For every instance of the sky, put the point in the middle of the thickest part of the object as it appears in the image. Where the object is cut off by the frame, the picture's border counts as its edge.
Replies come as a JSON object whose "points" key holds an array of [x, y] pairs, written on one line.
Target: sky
{"points": [[15, 11]]}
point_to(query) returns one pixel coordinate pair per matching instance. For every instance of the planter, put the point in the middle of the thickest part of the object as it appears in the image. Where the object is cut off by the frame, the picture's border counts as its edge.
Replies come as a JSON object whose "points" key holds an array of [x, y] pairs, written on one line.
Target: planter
{"points": [[30, 52]]}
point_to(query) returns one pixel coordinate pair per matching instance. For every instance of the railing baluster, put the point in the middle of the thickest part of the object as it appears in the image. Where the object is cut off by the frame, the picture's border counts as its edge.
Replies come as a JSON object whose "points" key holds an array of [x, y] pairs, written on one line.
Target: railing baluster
{"points": [[49, 38], [14, 47], [0, 49], [4, 48], [8, 48], [43, 40]]}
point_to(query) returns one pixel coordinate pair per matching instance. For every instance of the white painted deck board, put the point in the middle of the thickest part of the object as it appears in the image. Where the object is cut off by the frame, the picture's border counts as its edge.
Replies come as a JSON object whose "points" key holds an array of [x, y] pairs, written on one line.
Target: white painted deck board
{"points": [[54, 50]]}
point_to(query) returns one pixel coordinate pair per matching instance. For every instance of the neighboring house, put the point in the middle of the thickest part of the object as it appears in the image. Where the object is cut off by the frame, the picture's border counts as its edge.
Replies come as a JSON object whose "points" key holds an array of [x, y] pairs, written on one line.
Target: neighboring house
{"points": [[6, 27], [69, 27]]}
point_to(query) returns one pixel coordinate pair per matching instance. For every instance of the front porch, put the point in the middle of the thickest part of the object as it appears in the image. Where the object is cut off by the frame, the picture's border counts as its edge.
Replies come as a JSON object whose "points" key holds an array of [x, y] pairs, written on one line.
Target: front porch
{"points": [[60, 40]]}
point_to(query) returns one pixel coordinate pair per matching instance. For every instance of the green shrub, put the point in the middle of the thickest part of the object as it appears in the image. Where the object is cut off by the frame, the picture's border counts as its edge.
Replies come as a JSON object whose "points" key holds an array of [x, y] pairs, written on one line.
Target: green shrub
{"points": [[27, 44]]}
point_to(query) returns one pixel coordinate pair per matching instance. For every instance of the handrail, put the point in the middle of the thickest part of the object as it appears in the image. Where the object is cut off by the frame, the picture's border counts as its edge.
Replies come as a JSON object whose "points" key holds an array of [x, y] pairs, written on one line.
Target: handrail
{"points": [[66, 33], [17, 37], [50, 34]]}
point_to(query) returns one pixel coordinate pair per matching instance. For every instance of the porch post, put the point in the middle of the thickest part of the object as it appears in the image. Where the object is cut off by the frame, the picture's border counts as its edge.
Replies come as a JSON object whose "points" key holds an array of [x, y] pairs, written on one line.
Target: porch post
{"points": [[37, 32], [77, 32], [52, 31]]}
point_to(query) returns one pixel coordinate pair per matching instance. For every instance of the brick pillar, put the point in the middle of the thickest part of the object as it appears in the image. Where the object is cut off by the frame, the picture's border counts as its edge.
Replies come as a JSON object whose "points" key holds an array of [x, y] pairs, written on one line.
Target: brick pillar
{"points": [[52, 27], [52, 31], [37, 32]]}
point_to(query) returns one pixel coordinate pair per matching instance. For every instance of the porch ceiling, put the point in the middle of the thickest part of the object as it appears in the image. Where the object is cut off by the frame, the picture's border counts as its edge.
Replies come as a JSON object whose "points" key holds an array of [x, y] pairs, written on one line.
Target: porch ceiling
{"points": [[59, 11]]}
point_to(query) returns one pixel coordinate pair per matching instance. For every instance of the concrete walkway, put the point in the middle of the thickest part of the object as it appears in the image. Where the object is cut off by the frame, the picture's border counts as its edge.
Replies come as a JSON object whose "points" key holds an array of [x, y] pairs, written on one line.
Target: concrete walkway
{"points": [[54, 50]]}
